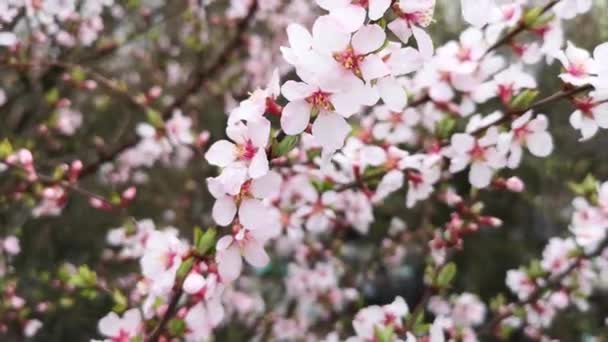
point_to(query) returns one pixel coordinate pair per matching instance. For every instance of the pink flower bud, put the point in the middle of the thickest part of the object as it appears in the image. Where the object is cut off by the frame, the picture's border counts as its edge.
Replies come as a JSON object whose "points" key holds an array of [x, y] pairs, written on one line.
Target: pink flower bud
{"points": [[515, 184], [129, 194]]}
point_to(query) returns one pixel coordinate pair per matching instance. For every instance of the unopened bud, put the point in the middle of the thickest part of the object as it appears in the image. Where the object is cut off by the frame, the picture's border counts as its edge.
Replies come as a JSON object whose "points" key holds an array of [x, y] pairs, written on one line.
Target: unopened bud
{"points": [[515, 184]]}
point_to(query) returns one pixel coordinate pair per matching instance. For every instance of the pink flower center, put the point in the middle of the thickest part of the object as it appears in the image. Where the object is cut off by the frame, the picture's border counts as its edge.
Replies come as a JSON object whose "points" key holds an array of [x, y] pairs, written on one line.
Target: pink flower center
{"points": [[396, 118], [123, 336], [505, 91], [585, 106], [320, 100], [247, 151], [170, 259], [577, 70], [362, 3], [477, 152], [464, 54], [521, 132], [350, 60]]}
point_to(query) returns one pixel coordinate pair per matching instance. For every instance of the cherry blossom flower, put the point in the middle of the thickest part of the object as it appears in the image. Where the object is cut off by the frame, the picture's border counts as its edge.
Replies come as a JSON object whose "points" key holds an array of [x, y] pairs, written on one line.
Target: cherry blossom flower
{"points": [[248, 150], [589, 117], [519, 283], [505, 85], [202, 319], [557, 255], [162, 258], [531, 133], [368, 319], [395, 127], [412, 17], [245, 243], [578, 65], [178, 129], [482, 154], [247, 200], [351, 13], [121, 329]]}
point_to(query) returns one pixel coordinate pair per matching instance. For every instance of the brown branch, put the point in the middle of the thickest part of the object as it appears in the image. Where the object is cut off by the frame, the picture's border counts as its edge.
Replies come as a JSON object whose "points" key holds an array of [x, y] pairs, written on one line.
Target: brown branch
{"points": [[491, 326], [521, 27]]}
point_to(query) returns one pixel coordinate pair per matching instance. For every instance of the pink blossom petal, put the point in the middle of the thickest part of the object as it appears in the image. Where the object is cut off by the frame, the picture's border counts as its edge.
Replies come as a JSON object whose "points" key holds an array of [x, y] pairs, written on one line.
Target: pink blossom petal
{"points": [[223, 211], [255, 254], [295, 117]]}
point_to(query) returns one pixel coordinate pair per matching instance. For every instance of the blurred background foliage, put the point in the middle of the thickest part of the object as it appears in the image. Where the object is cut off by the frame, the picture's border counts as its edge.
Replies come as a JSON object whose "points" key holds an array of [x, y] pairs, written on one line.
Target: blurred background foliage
{"points": [[178, 197]]}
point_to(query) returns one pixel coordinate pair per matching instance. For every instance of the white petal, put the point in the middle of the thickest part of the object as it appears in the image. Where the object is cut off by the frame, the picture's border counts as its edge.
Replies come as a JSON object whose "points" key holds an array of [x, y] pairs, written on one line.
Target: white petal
{"points": [[368, 39], [392, 93], [295, 117], [300, 39], [401, 29], [223, 211], [373, 67], [424, 41], [405, 61], [255, 254], [350, 17], [221, 154], [267, 185], [252, 214], [480, 175], [540, 144], [293, 90], [330, 130], [476, 12], [230, 263], [259, 132], [377, 8], [259, 164], [328, 36], [600, 113]]}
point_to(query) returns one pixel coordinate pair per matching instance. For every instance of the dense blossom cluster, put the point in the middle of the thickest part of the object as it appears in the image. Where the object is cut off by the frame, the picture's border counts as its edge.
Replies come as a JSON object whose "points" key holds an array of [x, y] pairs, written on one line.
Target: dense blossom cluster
{"points": [[363, 108]]}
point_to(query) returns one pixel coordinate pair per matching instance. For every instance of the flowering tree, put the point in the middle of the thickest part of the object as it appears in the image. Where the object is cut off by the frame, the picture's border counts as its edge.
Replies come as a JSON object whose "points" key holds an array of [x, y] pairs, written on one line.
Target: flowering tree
{"points": [[365, 148]]}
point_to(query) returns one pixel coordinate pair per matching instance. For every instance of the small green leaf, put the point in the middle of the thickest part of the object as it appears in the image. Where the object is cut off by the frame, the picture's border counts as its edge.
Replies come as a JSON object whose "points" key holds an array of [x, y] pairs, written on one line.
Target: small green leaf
{"points": [[284, 146], [184, 269], [5, 149], [384, 334], [52, 96], [155, 118], [177, 327], [445, 127], [532, 15], [207, 241], [446, 275], [120, 301], [524, 99]]}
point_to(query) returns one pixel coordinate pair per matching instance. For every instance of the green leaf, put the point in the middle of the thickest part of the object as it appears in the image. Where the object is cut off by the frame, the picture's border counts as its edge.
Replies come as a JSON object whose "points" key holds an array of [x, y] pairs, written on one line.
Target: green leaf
{"points": [[524, 99], [155, 118], [78, 74], [445, 127], [5, 148], [206, 242], [120, 301], [198, 233], [446, 275], [52, 96], [532, 15], [176, 327], [184, 269], [384, 334], [284, 146]]}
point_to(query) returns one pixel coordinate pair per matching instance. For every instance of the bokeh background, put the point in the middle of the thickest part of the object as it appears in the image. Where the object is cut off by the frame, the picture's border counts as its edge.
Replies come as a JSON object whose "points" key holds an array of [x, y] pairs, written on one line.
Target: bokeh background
{"points": [[178, 197]]}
